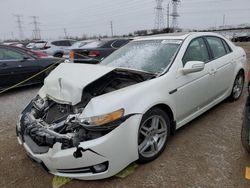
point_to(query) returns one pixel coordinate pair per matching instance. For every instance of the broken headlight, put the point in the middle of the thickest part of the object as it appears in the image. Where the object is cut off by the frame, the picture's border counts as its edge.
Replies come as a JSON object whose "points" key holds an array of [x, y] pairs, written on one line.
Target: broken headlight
{"points": [[102, 120]]}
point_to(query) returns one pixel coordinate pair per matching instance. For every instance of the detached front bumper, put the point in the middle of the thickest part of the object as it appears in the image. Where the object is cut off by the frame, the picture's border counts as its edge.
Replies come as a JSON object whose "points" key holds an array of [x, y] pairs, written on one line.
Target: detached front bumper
{"points": [[115, 151]]}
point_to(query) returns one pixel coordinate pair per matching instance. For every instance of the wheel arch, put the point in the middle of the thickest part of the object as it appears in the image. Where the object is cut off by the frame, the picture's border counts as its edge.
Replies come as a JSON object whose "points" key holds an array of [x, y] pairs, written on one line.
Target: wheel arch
{"points": [[166, 108], [58, 52], [243, 71]]}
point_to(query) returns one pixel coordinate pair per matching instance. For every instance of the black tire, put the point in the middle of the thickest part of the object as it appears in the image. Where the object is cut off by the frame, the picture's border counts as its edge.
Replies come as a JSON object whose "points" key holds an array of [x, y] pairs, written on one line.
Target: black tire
{"points": [[245, 130], [234, 96], [163, 118], [60, 55]]}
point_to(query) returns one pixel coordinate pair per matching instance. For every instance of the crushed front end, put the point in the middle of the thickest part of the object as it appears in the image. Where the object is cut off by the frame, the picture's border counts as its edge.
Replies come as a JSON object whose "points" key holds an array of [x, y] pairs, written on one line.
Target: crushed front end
{"points": [[55, 136]]}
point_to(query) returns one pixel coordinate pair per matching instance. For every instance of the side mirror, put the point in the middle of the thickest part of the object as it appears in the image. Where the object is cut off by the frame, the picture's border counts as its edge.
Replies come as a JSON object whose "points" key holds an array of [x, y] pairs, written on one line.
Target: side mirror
{"points": [[25, 58], [193, 66]]}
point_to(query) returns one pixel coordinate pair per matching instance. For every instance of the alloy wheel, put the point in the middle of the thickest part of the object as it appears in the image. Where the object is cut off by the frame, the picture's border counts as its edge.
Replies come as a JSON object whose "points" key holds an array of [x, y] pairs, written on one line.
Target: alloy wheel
{"points": [[152, 136], [238, 86]]}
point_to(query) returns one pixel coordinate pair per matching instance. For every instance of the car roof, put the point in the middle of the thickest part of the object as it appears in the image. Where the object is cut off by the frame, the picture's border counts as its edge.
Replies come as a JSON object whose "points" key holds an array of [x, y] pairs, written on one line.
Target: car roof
{"points": [[62, 40], [176, 36]]}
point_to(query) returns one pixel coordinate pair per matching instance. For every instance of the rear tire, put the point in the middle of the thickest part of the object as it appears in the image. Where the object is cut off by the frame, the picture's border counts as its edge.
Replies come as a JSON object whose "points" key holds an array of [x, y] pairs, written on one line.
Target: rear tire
{"points": [[237, 87], [60, 55], [245, 131], [153, 134]]}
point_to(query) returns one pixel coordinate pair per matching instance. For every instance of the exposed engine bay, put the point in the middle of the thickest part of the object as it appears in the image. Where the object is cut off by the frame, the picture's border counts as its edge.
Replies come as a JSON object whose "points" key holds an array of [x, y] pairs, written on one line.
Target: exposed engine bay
{"points": [[47, 122]]}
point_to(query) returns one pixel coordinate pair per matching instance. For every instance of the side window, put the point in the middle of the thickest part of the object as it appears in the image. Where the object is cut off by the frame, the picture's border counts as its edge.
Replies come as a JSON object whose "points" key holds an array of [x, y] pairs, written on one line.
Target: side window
{"points": [[61, 43], [71, 42], [216, 46], [119, 43], [65, 43], [6, 54], [56, 43], [196, 51], [228, 49]]}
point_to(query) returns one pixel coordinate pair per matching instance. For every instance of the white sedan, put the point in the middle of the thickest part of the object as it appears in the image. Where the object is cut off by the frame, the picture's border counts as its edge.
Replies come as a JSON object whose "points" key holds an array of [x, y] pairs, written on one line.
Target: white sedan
{"points": [[91, 121]]}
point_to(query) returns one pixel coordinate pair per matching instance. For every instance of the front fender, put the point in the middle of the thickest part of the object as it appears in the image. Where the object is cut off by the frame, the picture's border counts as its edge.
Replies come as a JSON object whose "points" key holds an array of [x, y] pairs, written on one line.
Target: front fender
{"points": [[135, 99]]}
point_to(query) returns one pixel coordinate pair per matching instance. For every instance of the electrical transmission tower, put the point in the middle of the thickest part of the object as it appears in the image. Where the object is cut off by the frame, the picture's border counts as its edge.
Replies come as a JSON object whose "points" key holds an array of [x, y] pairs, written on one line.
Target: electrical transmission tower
{"points": [[36, 31], [159, 17], [19, 26], [175, 14]]}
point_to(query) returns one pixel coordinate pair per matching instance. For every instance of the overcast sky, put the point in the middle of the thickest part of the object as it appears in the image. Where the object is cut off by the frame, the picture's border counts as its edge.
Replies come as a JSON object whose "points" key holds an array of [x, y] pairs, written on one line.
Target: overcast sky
{"points": [[93, 17]]}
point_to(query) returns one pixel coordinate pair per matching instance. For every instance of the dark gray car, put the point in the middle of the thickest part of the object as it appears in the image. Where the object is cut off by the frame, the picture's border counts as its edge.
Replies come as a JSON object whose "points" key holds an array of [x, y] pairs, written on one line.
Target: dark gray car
{"points": [[94, 52]]}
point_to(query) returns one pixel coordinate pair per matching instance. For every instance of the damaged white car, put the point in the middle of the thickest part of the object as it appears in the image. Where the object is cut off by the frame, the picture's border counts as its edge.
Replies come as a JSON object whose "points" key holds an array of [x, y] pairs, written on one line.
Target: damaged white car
{"points": [[91, 121]]}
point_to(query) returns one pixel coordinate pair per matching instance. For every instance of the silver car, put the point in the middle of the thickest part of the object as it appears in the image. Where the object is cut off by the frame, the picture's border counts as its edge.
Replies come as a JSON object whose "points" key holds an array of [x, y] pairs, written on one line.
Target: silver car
{"points": [[58, 48]]}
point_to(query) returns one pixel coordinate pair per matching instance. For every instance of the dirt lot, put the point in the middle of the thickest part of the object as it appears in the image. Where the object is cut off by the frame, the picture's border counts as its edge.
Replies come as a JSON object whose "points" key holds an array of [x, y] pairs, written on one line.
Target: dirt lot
{"points": [[205, 153]]}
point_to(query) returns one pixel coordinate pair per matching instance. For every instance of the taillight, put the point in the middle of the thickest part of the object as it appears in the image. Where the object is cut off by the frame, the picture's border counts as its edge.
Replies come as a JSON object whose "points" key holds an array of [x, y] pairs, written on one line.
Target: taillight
{"points": [[71, 55], [94, 53], [46, 46]]}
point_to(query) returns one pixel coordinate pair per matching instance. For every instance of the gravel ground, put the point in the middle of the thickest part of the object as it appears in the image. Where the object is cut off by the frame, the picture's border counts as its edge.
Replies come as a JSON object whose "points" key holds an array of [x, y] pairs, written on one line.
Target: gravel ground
{"points": [[205, 153]]}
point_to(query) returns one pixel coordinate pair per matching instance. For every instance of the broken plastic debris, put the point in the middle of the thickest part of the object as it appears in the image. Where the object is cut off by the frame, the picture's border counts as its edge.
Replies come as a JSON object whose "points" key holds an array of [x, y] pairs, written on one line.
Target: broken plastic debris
{"points": [[127, 171], [247, 174], [60, 181]]}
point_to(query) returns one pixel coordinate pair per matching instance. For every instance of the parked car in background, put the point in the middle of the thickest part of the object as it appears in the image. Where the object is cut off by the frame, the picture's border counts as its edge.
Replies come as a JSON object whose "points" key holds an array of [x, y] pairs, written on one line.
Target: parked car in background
{"points": [[37, 45], [241, 38], [18, 64], [58, 48], [94, 52], [31, 51], [17, 43], [80, 44], [91, 121], [245, 130]]}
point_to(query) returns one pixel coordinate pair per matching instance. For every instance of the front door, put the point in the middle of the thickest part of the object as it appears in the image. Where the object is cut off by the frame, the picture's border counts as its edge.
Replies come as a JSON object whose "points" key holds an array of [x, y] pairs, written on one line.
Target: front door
{"points": [[194, 90], [16, 67]]}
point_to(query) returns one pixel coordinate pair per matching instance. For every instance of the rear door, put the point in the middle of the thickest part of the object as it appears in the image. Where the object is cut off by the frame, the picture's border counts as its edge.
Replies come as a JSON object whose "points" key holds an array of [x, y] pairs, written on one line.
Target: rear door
{"points": [[224, 62]]}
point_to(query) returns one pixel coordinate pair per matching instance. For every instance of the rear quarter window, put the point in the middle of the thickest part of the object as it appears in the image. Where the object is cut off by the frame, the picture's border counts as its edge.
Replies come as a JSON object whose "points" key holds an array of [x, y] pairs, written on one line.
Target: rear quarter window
{"points": [[228, 49], [119, 43]]}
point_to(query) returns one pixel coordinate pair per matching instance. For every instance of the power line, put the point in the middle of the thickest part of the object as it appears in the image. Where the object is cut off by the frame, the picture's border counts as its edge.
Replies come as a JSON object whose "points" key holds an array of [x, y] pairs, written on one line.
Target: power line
{"points": [[36, 31], [19, 25]]}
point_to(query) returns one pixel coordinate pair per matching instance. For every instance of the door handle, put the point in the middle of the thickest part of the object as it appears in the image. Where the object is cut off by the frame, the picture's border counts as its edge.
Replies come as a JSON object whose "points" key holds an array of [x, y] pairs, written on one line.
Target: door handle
{"points": [[20, 66], [212, 71]]}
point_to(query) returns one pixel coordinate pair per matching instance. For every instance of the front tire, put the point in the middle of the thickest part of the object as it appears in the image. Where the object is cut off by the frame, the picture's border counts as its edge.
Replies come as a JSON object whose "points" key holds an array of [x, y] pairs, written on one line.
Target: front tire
{"points": [[237, 87], [153, 134]]}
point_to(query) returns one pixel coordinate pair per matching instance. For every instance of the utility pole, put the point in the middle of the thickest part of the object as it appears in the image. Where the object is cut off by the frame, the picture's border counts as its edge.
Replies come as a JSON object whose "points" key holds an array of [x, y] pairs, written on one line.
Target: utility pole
{"points": [[19, 26], [65, 33], [168, 12], [224, 20], [111, 27], [12, 35], [175, 14], [159, 17], [36, 31]]}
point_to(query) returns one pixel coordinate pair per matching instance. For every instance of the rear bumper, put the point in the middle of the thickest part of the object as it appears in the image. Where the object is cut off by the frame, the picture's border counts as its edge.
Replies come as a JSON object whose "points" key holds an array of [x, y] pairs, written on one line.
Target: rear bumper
{"points": [[116, 150]]}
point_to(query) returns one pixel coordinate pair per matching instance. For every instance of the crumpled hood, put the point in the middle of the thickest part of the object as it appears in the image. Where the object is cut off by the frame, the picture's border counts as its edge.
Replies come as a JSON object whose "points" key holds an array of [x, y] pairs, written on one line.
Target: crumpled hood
{"points": [[67, 81]]}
